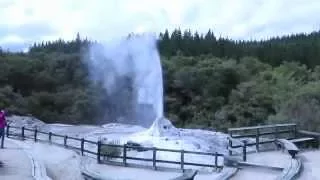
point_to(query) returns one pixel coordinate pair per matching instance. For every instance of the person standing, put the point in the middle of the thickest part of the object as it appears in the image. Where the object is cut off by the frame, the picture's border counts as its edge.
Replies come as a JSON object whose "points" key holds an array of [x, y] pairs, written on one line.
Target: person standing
{"points": [[3, 124]]}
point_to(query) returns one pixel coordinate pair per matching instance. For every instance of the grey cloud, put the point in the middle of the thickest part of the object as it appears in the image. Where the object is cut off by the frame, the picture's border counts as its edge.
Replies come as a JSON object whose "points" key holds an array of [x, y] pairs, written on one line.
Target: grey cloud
{"points": [[298, 24], [14, 47], [246, 19], [28, 32], [191, 15], [263, 20]]}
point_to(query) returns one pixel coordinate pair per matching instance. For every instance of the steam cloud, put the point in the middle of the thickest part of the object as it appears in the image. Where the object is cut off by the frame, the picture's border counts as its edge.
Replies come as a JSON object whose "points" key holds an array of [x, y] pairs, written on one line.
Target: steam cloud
{"points": [[130, 71]]}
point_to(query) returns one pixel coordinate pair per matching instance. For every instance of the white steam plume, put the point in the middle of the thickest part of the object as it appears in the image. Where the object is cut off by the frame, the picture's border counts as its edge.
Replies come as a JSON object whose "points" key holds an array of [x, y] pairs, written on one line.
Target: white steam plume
{"points": [[137, 59]]}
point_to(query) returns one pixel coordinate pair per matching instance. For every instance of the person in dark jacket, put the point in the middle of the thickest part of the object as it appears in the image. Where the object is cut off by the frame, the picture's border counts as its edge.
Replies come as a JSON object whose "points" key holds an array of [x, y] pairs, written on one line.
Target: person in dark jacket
{"points": [[3, 124]]}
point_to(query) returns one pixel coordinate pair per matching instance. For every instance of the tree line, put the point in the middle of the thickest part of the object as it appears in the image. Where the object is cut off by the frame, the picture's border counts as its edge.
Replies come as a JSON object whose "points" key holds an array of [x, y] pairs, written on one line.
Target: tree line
{"points": [[209, 82]]}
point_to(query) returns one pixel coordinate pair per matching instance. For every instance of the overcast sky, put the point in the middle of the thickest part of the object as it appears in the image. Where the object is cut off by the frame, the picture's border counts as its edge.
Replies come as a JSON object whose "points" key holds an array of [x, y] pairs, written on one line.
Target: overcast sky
{"points": [[23, 22]]}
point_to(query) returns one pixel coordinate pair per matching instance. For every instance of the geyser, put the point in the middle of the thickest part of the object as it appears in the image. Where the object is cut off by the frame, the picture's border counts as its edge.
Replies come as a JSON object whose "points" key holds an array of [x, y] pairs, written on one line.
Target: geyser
{"points": [[133, 64], [130, 71]]}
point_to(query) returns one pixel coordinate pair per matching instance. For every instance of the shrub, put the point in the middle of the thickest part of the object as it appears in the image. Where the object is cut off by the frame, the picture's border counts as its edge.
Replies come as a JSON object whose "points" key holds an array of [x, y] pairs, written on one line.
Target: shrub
{"points": [[109, 151]]}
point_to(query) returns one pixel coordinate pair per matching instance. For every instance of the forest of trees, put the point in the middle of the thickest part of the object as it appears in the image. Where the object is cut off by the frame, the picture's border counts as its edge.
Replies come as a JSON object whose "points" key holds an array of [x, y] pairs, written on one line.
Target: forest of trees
{"points": [[209, 82]]}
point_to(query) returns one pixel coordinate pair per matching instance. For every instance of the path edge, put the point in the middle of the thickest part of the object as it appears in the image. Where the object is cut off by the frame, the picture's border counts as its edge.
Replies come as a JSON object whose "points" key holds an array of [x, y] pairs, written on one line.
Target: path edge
{"points": [[38, 169]]}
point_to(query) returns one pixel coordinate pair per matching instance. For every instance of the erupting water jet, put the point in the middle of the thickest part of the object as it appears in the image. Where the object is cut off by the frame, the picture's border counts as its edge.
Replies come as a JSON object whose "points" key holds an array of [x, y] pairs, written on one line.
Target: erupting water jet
{"points": [[137, 58]]}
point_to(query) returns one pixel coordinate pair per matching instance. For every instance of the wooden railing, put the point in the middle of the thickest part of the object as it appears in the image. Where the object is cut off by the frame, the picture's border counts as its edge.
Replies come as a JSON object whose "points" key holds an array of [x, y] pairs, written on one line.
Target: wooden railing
{"points": [[36, 133], [273, 132], [33, 134]]}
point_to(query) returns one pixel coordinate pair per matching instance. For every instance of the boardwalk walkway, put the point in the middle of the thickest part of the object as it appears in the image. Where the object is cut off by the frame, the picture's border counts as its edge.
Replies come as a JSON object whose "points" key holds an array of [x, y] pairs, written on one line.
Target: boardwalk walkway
{"points": [[311, 165], [16, 165]]}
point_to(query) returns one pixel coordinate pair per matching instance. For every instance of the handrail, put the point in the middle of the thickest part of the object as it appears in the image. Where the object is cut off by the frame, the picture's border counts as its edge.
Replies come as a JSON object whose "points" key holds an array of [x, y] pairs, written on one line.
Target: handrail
{"points": [[309, 133], [125, 148], [257, 131], [261, 127]]}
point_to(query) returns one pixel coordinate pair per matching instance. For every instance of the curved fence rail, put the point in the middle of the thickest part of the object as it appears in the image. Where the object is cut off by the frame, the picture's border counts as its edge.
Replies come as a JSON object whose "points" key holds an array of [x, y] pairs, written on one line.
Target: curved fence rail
{"points": [[81, 145], [270, 133]]}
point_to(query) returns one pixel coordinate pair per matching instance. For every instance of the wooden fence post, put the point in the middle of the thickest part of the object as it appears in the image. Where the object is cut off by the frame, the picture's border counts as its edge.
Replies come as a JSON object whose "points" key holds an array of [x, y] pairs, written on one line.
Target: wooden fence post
{"points": [[295, 131], [99, 152], [257, 139], [82, 146], [216, 160], [8, 132], [35, 135], [50, 135], [22, 132], [230, 146], [65, 140], [154, 158], [244, 149], [125, 154], [276, 132], [182, 160]]}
